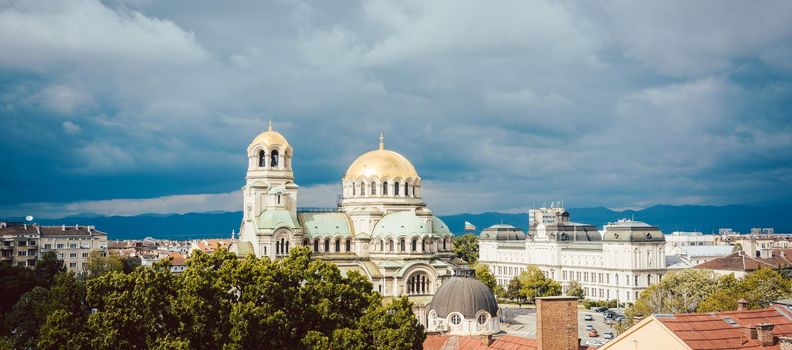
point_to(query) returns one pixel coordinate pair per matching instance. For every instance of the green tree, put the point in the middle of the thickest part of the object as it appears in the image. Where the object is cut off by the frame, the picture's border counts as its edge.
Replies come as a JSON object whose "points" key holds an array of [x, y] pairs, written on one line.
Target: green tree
{"points": [[14, 282], [98, 265], [759, 288], [533, 284], [737, 247], [513, 290], [484, 275], [47, 266], [575, 289], [466, 247]]}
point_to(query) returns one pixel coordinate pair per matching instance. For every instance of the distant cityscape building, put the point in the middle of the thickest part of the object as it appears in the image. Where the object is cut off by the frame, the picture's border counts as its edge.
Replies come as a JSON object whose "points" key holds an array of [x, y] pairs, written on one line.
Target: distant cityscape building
{"points": [[617, 263], [381, 227], [23, 244], [740, 263], [684, 239]]}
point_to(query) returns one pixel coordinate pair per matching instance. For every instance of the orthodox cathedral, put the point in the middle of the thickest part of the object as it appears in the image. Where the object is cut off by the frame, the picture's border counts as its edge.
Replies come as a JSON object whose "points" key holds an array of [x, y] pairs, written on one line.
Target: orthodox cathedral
{"points": [[380, 228]]}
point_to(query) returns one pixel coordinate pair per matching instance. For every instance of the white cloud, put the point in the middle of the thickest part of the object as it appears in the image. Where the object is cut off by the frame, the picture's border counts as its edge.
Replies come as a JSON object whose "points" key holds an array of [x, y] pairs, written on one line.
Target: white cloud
{"points": [[63, 99], [70, 127]]}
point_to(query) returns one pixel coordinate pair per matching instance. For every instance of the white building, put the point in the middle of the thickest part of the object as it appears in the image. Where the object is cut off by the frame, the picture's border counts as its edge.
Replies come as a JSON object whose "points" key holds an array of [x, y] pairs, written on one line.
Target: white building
{"points": [[618, 263], [381, 227], [684, 239]]}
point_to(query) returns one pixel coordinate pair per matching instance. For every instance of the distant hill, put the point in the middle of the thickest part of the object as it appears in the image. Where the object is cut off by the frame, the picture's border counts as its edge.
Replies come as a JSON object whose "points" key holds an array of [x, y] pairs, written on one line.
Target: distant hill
{"points": [[669, 218]]}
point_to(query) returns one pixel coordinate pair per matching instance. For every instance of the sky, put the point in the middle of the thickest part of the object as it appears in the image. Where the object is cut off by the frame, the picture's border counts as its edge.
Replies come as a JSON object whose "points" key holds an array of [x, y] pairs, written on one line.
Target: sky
{"points": [[142, 106]]}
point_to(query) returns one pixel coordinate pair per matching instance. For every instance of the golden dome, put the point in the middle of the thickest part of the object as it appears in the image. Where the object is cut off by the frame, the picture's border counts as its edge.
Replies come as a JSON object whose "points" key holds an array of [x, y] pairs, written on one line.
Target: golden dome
{"points": [[381, 163], [270, 138]]}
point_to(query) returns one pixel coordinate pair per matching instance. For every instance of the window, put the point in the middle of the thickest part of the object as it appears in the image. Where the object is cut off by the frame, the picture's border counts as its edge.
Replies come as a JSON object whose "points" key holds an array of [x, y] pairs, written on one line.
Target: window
{"points": [[354, 190], [648, 280], [482, 319], [338, 245], [396, 188], [327, 245], [455, 319], [22, 253], [405, 189], [22, 244], [48, 246], [60, 245], [414, 245], [72, 245], [402, 245], [348, 244], [279, 199], [413, 192], [390, 245], [72, 265], [381, 246], [84, 255], [373, 188], [274, 159], [316, 245], [262, 159], [418, 283], [384, 188], [362, 189], [636, 281]]}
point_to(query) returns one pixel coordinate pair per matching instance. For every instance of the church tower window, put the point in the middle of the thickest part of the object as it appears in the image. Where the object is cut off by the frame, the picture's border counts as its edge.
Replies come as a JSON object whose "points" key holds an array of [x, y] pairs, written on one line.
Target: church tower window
{"points": [[274, 159], [262, 159]]}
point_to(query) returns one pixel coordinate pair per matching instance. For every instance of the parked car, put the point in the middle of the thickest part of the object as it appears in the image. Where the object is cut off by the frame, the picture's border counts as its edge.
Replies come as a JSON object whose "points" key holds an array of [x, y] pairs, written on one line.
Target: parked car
{"points": [[601, 309], [589, 327], [593, 333], [594, 343], [607, 335], [588, 317]]}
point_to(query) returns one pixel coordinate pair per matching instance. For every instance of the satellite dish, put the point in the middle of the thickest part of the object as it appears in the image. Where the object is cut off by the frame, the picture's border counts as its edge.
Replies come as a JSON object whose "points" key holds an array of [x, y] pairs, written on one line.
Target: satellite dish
{"points": [[29, 218]]}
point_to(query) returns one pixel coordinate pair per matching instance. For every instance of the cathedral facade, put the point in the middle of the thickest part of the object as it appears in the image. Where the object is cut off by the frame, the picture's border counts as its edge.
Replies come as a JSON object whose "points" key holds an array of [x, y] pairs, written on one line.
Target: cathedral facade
{"points": [[381, 227]]}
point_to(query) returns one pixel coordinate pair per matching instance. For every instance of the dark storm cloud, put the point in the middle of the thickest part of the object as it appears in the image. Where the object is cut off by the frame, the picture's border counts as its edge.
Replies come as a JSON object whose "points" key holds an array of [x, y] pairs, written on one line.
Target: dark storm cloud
{"points": [[125, 107]]}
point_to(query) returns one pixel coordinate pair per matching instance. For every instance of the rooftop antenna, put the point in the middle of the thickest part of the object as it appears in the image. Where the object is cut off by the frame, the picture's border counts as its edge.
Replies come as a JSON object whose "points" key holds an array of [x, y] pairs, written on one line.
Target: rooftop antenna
{"points": [[382, 141]]}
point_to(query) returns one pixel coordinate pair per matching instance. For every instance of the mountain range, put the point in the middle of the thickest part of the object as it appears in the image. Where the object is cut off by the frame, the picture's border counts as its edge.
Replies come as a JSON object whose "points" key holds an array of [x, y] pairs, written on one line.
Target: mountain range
{"points": [[669, 218]]}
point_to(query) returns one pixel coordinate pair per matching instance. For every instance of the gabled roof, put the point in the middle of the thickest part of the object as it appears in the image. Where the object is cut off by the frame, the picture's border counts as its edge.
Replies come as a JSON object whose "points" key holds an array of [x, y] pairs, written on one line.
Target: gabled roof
{"points": [[455, 342], [726, 330], [739, 261]]}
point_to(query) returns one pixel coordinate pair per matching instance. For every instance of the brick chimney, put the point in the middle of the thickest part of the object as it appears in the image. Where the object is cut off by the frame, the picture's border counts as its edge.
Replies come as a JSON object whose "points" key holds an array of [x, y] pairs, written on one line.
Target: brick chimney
{"points": [[486, 340], [764, 334], [742, 304], [785, 343], [557, 323]]}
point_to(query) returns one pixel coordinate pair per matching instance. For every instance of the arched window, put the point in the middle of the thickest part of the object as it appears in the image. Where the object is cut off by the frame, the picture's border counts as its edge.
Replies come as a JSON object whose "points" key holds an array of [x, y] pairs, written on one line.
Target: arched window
{"points": [[316, 246], [373, 188], [305, 242], [418, 283], [287, 247], [279, 196], [384, 188], [456, 320], [413, 191], [348, 244], [482, 319], [414, 245], [274, 159], [262, 159], [405, 189], [354, 190], [396, 188], [401, 245], [362, 189], [277, 247], [445, 244], [327, 245], [423, 245], [390, 245], [338, 245], [381, 245]]}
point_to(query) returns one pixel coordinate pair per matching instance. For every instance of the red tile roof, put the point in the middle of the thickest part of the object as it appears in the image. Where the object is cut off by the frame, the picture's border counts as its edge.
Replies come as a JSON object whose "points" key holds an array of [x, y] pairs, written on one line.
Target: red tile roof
{"points": [[728, 330], [741, 262], [503, 342]]}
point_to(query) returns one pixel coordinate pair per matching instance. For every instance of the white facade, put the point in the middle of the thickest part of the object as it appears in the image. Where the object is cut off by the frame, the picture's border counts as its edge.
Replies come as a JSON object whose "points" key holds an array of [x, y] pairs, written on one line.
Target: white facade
{"points": [[618, 263], [381, 227], [685, 239]]}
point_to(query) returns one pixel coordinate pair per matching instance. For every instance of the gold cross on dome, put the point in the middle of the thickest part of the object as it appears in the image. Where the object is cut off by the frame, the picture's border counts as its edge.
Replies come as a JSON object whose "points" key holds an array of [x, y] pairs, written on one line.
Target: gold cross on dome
{"points": [[382, 143], [270, 125]]}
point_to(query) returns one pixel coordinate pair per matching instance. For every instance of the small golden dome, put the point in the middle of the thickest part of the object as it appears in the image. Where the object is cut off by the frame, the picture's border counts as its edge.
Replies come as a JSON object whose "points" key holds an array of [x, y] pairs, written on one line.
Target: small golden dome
{"points": [[381, 163], [270, 138]]}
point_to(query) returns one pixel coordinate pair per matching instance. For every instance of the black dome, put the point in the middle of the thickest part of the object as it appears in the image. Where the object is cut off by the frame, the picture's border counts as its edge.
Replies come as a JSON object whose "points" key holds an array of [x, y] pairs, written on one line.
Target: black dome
{"points": [[465, 295]]}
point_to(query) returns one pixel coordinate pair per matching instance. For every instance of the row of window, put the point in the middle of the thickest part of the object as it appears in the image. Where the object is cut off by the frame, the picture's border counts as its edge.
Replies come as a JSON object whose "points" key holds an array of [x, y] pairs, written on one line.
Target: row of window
{"points": [[405, 189], [605, 278], [63, 246], [381, 245], [274, 159]]}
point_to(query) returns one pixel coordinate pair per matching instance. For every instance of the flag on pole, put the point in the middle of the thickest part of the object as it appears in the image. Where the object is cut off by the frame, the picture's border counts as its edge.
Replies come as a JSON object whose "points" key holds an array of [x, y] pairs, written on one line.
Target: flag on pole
{"points": [[469, 226]]}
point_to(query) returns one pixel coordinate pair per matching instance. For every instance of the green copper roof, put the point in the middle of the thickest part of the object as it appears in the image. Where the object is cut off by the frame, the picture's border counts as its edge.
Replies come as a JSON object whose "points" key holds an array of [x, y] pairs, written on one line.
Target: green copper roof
{"points": [[275, 218], [406, 223], [325, 224]]}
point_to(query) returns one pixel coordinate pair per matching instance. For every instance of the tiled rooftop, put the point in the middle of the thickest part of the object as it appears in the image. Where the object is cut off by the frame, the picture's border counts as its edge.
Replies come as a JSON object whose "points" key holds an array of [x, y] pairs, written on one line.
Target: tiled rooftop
{"points": [[728, 330], [741, 262], [503, 342]]}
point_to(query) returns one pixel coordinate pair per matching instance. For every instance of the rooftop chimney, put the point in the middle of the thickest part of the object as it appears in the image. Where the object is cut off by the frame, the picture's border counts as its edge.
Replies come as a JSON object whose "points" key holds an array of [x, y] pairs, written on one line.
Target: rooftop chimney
{"points": [[486, 340], [557, 323], [764, 334], [785, 343], [742, 304]]}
